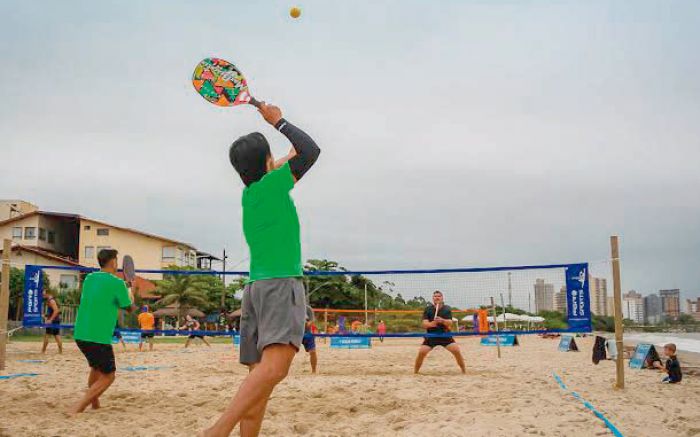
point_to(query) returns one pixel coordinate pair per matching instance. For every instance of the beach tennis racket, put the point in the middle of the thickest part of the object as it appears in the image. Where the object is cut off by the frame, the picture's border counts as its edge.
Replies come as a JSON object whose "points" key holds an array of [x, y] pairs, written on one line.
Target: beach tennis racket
{"points": [[128, 269], [221, 83]]}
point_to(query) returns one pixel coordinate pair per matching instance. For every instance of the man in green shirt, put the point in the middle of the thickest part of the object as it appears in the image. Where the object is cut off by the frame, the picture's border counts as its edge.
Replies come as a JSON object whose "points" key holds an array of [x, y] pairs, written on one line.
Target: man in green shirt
{"points": [[102, 297], [274, 305]]}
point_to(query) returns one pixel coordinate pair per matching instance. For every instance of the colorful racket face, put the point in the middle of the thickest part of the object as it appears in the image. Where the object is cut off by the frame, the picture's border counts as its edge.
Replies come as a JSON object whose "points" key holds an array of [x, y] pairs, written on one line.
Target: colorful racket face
{"points": [[221, 83]]}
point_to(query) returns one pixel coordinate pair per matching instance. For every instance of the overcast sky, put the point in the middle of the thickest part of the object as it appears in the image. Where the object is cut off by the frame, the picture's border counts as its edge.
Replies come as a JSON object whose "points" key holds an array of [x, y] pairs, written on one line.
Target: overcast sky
{"points": [[454, 133]]}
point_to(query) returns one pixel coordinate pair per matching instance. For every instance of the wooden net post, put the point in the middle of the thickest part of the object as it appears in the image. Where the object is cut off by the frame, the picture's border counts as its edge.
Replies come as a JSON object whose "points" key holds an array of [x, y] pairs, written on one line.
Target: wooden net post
{"points": [[4, 299], [620, 361]]}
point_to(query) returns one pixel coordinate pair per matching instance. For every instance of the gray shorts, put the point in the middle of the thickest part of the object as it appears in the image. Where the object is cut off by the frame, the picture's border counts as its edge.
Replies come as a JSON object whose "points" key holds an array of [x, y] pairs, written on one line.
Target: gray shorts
{"points": [[273, 311]]}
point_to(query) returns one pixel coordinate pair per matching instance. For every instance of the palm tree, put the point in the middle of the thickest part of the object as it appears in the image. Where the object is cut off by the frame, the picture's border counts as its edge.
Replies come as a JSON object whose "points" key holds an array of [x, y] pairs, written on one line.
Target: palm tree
{"points": [[184, 291]]}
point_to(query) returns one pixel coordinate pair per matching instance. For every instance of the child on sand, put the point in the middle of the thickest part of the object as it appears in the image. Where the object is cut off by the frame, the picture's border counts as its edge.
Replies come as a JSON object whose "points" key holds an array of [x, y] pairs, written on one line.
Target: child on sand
{"points": [[672, 367]]}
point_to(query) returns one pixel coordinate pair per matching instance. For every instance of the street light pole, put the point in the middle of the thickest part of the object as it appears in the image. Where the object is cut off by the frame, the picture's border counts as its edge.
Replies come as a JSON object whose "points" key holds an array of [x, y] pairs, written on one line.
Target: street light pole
{"points": [[223, 280]]}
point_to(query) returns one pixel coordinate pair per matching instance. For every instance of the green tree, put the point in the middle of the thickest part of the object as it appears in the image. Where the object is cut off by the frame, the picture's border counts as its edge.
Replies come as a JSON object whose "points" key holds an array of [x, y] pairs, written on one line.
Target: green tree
{"points": [[185, 291], [16, 292]]}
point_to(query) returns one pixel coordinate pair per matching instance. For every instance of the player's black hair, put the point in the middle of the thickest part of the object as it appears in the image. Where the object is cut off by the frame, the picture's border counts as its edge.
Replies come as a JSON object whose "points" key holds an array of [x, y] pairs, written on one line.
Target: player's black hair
{"points": [[106, 255], [438, 292], [248, 155]]}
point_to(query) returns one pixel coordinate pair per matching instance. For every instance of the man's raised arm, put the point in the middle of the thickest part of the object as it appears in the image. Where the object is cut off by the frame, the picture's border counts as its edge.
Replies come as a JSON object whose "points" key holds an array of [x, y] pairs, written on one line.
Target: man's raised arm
{"points": [[305, 151]]}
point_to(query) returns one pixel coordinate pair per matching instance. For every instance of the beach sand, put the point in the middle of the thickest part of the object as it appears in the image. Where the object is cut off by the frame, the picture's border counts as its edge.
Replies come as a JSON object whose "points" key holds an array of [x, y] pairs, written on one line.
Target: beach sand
{"points": [[357, 392]]}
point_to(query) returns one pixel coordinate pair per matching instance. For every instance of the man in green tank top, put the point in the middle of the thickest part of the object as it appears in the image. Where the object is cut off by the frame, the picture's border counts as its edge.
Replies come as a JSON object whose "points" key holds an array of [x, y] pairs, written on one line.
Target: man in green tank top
{"points": [[274, 305]]}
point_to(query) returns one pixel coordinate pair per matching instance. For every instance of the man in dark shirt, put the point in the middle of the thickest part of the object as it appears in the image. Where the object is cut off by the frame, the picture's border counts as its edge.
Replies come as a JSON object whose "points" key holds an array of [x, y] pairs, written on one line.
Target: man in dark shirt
{"points": [[437, 319], [672, 367]]}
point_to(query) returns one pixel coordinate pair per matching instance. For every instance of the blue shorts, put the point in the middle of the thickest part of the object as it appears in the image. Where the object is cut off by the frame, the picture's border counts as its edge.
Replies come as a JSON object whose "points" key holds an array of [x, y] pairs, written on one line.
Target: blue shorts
{"points": [[309, 342]]}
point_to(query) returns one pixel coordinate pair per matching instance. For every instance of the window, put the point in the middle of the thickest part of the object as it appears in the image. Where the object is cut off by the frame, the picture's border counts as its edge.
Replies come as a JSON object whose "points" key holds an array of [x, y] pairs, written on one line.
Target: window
{"points": [[29, 233], [102, 231], [17, 233], [52, 237], [168, 254], [68, 282], [42, 234], [89, 252]]}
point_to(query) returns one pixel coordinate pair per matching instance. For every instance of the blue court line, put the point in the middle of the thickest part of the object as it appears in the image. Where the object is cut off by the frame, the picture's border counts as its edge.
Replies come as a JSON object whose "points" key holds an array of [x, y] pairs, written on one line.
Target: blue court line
{"points": [[616, 432], [142, 368], [16, 375], [31, 361]]}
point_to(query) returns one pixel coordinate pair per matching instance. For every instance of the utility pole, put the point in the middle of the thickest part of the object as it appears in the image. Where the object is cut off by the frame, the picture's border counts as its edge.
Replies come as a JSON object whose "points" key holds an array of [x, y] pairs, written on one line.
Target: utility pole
{"points": [[510, 292], [223, 279]]}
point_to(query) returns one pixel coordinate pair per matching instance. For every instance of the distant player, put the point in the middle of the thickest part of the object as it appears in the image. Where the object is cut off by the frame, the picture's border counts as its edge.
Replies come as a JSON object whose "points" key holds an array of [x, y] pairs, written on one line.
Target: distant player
{"points": [[147, 323], [437, 319], [309, 341], [118, 335], [103, 295], [381, 330], [193, 325], [53, 317], [274, 305]]}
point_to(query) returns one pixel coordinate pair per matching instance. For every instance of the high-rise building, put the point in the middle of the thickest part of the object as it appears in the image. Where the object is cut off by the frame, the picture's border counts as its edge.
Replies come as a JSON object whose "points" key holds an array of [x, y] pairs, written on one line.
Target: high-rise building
{"points": [[544, 296], [670, 303], [599, 295], [610, 306], [652, 309], [560, 301], [633, 306], [694, 308]]}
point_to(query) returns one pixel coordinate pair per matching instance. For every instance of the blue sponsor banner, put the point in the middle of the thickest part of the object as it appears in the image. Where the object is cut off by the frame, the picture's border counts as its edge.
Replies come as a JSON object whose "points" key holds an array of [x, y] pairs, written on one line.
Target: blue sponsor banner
{"points": [[33, 296], [505, 340], [567, 343], [128, 337], [644, 353], [578, 300], [351, 342]]}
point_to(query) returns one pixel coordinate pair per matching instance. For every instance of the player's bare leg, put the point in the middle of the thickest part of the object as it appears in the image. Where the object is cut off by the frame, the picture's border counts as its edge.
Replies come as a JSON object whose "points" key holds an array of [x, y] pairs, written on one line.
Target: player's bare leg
{"points": [[423, 351], [256, 388], [102, 383], [457, 353], [94, 374], [313, 357]]}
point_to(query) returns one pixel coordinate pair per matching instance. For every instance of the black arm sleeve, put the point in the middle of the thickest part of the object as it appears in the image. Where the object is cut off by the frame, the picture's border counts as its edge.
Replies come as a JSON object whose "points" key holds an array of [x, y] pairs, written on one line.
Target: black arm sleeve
{"points": [[306, 148]]}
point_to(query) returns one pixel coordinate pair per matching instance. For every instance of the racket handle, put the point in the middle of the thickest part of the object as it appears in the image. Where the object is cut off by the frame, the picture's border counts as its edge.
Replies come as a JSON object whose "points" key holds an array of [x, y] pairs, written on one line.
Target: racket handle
{"points": [[253, 101]]}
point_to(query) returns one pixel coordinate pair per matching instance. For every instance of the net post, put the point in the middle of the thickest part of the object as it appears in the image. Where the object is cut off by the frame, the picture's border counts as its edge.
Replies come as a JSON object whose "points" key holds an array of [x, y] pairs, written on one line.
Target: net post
{"points": [[620, 361], [495, 324], [4, 299]]}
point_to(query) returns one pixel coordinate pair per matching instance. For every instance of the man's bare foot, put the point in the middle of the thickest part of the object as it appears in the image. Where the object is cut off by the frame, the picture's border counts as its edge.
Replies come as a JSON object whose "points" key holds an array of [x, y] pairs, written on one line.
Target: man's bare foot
{"points": [[71, 414]]}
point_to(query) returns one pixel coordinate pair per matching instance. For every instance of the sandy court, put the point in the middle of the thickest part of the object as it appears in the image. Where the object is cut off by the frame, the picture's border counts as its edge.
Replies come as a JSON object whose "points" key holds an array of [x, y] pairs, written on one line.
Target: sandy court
{"points": [[357, 392]]}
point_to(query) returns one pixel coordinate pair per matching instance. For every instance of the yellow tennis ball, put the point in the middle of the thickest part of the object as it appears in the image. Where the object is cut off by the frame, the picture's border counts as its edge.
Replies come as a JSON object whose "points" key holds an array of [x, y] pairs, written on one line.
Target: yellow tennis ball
{"points": [[295, 12]]}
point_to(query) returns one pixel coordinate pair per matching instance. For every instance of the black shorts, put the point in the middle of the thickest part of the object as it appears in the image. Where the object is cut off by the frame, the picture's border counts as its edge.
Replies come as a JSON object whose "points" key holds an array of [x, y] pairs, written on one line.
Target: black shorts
{"points": [[99, 356], [196, 336], [147, 335], [53, 331], [437, 341]]}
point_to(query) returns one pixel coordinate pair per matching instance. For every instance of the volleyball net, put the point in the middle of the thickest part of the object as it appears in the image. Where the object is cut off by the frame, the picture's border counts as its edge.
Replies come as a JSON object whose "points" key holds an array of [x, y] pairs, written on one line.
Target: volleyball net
{"points": [[388, 303]]}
